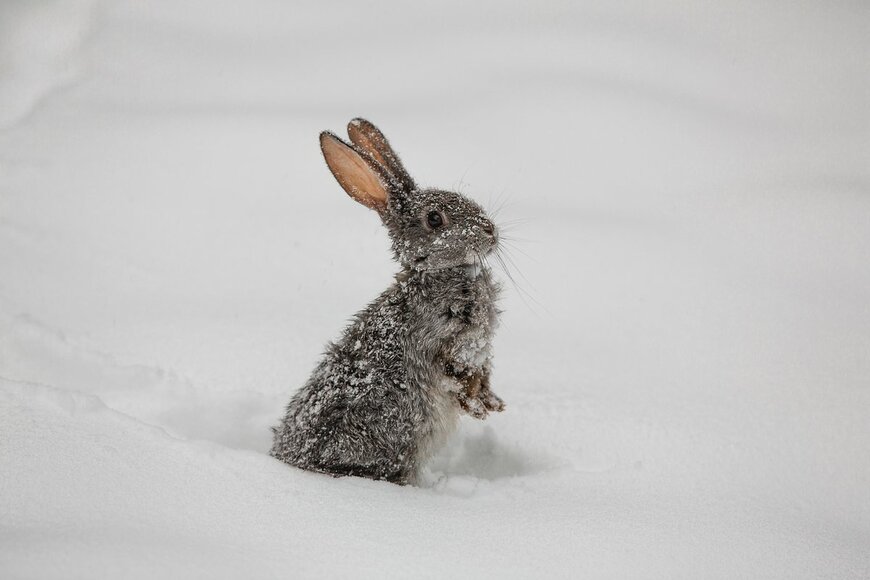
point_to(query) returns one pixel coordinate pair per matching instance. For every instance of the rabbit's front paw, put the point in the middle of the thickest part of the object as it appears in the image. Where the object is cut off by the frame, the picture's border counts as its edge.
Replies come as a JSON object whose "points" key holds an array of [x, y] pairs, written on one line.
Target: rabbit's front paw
{"points": [[490, 400], [472, 405]]}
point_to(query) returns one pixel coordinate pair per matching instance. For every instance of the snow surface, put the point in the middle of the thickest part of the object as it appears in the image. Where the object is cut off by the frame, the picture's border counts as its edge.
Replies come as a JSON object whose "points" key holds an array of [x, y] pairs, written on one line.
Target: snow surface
{"points": [[688, 381]]}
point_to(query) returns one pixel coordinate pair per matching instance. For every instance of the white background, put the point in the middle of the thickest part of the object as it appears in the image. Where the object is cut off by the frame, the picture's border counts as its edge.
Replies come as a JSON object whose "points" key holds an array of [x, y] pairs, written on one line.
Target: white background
{"points": [[685, 354]]}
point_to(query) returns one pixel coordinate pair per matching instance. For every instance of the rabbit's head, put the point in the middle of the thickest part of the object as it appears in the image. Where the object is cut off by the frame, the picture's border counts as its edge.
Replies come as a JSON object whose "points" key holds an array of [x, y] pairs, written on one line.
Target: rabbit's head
{"points": [[430, 229]]}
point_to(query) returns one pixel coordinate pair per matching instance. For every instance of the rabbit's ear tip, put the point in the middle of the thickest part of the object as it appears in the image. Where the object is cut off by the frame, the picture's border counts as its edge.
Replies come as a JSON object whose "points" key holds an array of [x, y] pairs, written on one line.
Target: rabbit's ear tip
{"points": [[359, 124], [359, 121], [330, 139]]}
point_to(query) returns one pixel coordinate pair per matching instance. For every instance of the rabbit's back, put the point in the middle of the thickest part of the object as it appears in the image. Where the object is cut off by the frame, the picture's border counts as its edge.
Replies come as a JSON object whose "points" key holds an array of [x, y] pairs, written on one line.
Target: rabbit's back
{"points": [[360, 413]]}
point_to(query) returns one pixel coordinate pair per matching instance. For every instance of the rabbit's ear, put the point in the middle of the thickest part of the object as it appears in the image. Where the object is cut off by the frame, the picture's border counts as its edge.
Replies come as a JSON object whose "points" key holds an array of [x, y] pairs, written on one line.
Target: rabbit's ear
{"points": [[354, 173], [369, 138]]}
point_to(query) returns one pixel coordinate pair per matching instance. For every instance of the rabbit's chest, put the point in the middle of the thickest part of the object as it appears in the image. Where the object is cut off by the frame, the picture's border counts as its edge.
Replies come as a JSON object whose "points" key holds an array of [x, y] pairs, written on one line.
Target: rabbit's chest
{"points": [[473, 318]]}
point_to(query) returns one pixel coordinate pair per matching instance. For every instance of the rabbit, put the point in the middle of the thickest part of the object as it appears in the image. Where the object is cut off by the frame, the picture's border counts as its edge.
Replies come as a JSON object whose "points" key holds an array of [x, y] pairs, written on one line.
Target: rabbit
{"points": [[387, 395]]}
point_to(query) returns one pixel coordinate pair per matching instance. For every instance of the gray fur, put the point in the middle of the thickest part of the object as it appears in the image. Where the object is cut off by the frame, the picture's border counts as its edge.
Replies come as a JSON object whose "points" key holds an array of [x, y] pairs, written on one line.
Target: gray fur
{"points": [[386, 395]]}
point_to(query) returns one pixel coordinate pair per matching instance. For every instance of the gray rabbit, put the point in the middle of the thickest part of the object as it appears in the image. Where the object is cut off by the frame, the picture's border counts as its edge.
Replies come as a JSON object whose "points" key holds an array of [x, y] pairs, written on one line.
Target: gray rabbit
{"points": [[387, 395]]}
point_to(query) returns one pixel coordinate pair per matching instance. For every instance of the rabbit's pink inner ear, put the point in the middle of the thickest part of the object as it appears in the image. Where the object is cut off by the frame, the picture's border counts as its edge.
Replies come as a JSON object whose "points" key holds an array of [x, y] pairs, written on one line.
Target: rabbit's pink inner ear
{"points": [[352, 172]]}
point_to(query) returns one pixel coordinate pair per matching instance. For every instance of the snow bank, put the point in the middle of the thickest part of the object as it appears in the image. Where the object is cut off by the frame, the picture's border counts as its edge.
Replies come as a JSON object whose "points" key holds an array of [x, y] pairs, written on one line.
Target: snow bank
{"points": [[40, 44], [685, 360], [115, 497]]}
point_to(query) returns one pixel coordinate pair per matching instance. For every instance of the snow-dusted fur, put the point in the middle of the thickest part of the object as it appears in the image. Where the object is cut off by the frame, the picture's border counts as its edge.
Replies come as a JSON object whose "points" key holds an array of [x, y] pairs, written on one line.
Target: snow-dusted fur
{"points": [[385, 396]]}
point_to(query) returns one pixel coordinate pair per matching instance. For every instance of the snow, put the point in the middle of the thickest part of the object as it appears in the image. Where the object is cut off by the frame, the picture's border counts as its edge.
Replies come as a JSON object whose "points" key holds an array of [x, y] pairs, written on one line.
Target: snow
{"points": [[686, 361]]}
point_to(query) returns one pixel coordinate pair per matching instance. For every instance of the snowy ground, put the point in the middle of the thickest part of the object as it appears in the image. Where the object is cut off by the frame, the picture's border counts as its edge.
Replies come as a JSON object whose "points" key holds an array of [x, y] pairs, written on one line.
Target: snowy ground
{"points": [[688, 378]]}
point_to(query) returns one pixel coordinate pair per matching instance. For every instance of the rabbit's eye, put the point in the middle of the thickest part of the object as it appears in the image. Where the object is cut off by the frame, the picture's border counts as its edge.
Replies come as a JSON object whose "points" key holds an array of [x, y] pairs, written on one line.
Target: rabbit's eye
{"points": [[434, 219]]}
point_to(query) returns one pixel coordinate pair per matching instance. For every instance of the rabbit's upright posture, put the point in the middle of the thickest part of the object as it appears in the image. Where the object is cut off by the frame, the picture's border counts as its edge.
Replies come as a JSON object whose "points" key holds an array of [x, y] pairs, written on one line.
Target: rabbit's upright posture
{"points": [[387, 395]]}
